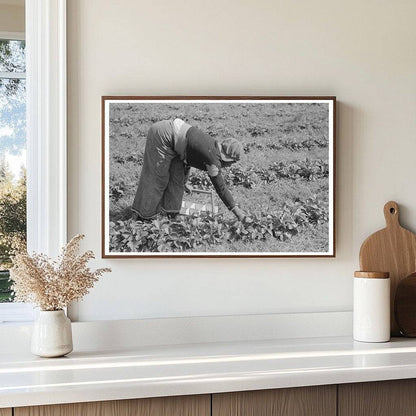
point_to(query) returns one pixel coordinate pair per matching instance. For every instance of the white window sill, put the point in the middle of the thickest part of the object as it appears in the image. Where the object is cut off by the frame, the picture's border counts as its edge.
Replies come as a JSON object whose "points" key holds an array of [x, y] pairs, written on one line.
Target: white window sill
{"points": [[16, 313]]}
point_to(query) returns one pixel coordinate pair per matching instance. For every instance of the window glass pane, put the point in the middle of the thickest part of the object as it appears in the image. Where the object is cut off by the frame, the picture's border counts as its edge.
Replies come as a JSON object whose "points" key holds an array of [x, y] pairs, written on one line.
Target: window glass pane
{"points": [[12, 117], [12, 175], [12, 56]]}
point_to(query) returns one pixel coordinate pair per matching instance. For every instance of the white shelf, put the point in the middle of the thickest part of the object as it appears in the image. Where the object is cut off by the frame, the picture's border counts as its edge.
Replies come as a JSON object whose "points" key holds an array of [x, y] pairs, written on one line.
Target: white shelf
{"points": [[150, 371]]}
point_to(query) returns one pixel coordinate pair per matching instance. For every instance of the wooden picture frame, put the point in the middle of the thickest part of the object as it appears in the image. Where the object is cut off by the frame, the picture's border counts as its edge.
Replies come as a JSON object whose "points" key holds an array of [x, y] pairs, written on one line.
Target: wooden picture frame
{"points": [[284, 182]]}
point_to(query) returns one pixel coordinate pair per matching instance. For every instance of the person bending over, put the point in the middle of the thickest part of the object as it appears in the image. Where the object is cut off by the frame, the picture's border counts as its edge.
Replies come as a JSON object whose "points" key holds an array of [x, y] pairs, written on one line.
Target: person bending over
{"points": [[172, 148]]}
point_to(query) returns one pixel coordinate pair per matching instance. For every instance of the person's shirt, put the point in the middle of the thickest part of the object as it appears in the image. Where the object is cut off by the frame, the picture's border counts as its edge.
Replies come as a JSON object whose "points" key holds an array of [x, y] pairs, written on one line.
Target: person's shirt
{"points": [[202, 152], [180, 129]]}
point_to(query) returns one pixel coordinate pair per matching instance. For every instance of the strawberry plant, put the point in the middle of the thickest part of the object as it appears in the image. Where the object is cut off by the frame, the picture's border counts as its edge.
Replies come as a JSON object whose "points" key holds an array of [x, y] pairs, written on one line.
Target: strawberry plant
{"points": [[257, 130]]}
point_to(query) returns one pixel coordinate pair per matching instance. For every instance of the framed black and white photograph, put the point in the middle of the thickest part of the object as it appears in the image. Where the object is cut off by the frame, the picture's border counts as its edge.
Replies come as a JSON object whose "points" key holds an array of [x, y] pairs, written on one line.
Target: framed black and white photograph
{"points": [[218, 176]]}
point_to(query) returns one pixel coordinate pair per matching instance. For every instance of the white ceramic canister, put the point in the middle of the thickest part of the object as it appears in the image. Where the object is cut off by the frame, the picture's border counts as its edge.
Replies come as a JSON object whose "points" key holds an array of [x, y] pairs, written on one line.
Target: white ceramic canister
{"points": [[371, 314]]}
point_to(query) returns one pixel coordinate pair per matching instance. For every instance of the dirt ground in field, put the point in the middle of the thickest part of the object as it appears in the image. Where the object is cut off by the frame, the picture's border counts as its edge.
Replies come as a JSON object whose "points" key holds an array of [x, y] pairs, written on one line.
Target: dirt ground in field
{"points": [[257, 126]]}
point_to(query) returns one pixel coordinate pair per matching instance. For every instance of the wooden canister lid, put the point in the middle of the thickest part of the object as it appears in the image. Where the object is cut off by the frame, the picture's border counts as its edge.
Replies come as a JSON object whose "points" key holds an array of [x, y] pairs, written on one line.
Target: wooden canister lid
{"points": [[372, 275]]}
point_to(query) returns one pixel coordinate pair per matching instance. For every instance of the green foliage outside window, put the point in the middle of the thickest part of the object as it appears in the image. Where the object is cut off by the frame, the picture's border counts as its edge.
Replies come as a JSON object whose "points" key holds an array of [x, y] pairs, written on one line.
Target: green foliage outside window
{"points": [[12, 223], [12, 144]]}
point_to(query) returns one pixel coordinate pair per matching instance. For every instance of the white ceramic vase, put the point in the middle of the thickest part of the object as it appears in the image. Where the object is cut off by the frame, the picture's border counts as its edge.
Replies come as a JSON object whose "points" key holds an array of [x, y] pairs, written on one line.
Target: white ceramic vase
{"points": [[52, 334]]}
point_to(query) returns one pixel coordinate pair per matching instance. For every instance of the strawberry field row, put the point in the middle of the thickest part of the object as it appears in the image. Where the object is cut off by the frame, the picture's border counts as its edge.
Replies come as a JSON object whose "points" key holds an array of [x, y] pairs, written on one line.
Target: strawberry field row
{"points": [[236, 175], [306, 144], [193, 232], [248, 177]]}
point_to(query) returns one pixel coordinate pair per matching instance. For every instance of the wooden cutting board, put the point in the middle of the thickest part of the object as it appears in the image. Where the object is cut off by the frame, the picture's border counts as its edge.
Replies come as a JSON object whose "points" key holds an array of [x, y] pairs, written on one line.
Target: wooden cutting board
{"points": [[393, 250]]}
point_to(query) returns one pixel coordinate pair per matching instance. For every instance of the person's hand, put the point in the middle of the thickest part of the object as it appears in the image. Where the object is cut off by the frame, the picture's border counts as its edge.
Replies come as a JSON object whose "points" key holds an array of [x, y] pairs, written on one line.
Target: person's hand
{"points": [[238, 213]]}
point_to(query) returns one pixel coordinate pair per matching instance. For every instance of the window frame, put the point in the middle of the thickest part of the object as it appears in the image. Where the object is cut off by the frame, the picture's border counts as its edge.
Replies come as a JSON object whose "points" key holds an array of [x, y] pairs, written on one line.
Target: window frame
{"points": [[46, 127]]}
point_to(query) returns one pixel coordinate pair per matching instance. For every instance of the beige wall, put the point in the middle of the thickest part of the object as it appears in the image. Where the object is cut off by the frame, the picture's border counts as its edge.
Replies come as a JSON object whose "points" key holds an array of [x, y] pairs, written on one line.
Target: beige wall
{"points": [[12, 18], [361, 51]]}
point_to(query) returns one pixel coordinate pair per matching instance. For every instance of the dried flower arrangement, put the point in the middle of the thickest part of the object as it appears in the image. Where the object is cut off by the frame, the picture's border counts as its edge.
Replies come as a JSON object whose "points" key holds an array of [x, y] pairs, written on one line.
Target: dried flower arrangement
{"points": [[53, 285]]}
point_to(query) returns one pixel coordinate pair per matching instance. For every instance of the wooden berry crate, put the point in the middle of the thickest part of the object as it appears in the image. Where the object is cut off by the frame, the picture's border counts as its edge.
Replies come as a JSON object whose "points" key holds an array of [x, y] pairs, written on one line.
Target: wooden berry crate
{"points": [[191, 207]]}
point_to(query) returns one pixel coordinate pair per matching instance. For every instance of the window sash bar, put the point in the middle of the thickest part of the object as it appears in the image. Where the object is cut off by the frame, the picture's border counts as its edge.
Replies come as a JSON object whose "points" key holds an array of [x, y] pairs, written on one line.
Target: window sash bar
{"points": [[12, 75], [12, 35]]}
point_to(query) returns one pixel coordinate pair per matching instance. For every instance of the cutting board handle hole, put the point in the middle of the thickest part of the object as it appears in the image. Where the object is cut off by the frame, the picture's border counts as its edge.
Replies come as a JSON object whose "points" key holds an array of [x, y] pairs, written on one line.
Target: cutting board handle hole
{"points": [[391, 213]]}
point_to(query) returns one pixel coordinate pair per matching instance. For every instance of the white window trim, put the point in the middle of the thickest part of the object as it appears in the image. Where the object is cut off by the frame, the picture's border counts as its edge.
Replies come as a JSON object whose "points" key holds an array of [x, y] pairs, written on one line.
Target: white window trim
{"points": [[46, 132], [46, 124]]}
